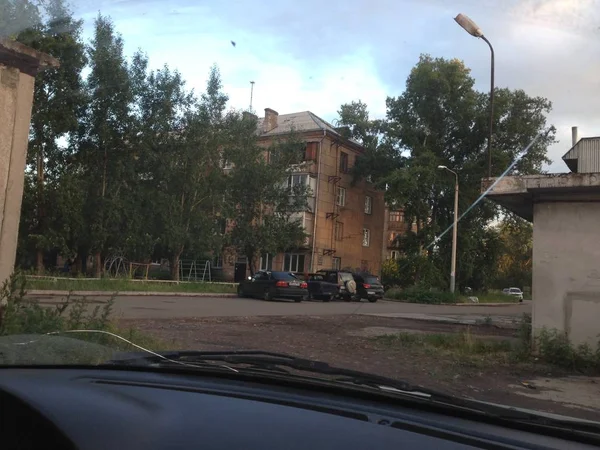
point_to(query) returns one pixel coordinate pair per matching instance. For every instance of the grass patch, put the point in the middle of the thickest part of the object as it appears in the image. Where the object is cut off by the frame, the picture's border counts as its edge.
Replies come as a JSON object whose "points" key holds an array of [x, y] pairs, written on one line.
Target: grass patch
{"points": [[35, 334], [421, 295], [464, 342], [549, 347], [120, 284]]}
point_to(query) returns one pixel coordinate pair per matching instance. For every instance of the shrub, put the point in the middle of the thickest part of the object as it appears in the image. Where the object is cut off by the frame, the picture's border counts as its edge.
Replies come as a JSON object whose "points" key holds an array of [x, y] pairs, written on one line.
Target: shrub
{"points": [[21, 316], [421, 295]]}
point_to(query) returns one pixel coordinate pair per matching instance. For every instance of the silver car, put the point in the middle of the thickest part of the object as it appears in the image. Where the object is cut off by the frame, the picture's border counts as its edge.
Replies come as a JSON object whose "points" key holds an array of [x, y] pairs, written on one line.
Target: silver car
{"points": [[514, 292]]}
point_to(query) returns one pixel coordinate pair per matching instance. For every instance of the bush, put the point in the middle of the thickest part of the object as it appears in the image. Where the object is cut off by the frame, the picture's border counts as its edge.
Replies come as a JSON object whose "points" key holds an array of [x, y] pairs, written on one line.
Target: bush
{"points": [[20, 316], [421, 295]]}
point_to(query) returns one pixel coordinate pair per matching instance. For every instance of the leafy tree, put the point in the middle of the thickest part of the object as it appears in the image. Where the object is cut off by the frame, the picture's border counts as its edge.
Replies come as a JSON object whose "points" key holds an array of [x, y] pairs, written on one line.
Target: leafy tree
{"points": [[47, 220], [102, 142], [180, 164], [440, 119], [262, 206], [515, 261], [18, 17]]}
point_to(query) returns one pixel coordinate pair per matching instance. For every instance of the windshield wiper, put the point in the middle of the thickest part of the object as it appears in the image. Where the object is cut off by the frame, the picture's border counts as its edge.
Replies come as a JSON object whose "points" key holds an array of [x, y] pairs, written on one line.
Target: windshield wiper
{"points": [[280, 363]]}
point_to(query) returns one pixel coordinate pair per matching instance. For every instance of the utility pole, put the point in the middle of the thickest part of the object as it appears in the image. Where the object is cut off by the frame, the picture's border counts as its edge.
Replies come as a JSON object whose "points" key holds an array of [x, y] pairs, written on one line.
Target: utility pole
{"points": [[454, 231], [251, 93]]}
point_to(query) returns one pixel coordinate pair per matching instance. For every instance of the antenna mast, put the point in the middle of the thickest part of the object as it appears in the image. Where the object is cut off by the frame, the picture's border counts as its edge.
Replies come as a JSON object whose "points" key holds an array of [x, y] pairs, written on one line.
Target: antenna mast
{"points": [[251, 93]]}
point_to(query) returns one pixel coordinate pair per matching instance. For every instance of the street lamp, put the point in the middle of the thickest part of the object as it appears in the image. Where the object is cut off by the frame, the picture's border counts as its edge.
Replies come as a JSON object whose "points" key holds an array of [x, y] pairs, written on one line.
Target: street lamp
{"points": [[454, 228], [472, 28]]}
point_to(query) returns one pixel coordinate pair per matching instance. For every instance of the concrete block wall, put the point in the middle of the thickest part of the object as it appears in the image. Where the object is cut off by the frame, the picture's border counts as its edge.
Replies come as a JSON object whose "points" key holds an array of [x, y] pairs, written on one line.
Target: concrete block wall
{"points": [[566, 269]]}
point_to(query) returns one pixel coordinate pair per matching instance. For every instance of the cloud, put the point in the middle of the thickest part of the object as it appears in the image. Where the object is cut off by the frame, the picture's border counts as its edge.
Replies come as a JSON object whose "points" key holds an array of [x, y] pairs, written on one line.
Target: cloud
{"points": [[316, 55]]}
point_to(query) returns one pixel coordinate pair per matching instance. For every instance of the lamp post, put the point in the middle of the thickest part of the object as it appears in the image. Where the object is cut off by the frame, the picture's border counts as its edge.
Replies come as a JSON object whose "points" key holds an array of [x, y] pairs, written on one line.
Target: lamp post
{"points": [[454, 231], [471, 27]]}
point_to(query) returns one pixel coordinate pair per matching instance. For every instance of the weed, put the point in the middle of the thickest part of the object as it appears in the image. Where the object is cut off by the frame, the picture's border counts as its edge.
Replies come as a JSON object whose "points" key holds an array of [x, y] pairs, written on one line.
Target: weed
{"points": [[69, 319], [421, 295]]}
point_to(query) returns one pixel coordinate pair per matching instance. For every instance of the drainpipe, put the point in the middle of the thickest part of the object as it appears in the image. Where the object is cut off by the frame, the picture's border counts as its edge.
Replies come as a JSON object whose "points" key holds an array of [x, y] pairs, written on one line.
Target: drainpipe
{"points": [[314, 236]]}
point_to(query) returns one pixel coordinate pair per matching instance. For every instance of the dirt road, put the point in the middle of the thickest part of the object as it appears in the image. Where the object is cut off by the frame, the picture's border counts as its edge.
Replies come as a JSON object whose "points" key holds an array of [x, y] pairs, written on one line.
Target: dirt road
{"points": [[349, 341]]}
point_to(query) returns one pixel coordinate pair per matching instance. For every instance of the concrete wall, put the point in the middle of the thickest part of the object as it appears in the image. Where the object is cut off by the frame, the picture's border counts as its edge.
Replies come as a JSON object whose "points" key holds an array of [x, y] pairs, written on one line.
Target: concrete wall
{"points": [[16, 96], [566, 269]]}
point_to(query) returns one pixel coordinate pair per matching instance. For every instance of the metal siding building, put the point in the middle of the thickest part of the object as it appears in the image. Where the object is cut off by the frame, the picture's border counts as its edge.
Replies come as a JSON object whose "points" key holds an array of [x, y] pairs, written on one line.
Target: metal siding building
{"points": [[584, 156]]}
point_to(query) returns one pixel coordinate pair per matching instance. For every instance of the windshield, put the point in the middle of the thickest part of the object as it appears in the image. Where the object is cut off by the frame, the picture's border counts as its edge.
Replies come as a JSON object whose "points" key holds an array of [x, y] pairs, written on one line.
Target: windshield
{"points": [[432, 168]]}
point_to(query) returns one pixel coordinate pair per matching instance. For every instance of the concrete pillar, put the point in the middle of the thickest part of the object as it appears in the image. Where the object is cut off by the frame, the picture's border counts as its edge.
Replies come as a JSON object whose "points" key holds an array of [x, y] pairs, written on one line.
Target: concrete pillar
{"points": [[18, 66]]}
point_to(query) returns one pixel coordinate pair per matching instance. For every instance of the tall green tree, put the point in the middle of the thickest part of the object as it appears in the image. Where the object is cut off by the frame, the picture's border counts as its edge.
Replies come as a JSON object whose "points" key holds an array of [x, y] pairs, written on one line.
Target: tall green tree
{"points": [[263, 203], [103, 142], [181, 141], [515, 260], [440, 119], [50, 219]]}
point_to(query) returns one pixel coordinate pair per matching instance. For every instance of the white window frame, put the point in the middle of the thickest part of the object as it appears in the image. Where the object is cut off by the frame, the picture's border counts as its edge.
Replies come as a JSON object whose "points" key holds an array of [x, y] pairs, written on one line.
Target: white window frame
{"points": [[338, 231], [366, 240], [340, 196], [303, 179], [398, 214], [368, 204], [395, 255], [264, 265], [293, 267], [336, 263]]}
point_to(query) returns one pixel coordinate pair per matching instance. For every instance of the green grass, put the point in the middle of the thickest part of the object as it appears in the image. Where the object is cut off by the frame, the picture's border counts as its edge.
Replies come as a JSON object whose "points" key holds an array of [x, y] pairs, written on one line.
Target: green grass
{"points": [[550, 347], [461, 343], [72, 332], [118, 285]]}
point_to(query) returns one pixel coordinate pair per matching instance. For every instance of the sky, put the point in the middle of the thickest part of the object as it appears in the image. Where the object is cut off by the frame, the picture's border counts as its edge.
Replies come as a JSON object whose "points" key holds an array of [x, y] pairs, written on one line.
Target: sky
{"points": [[316, 55]]}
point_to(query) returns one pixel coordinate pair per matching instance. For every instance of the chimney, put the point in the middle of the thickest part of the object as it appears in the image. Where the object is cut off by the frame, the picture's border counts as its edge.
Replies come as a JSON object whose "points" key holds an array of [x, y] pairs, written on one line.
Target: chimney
{"points": [[270, 121], [574, 135], [247, 115]]}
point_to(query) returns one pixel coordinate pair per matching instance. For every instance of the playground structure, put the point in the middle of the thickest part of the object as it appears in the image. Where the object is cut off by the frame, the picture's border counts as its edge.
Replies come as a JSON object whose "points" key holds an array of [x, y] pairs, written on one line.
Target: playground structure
{"points": [[191, 270]]}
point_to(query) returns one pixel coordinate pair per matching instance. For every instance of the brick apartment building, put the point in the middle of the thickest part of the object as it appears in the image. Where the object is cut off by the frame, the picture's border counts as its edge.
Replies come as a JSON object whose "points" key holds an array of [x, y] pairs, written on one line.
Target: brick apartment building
{"points": [[344, 222], [395, 225]]}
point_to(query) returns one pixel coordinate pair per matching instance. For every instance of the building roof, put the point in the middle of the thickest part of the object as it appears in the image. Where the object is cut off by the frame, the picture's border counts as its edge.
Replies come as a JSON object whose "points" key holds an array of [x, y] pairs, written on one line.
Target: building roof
{"points": [[585, 146], [301, 122]]}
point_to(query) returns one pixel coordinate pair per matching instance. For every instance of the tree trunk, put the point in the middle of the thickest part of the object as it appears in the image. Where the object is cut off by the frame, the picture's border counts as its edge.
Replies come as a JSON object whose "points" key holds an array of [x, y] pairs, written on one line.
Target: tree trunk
{"points": [[175, 267], [97, 265], [39, 262]]}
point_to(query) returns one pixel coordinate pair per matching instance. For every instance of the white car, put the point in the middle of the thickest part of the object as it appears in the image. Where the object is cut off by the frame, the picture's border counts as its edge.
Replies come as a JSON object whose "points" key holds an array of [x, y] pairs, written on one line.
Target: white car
{"points": [[514, 292]]}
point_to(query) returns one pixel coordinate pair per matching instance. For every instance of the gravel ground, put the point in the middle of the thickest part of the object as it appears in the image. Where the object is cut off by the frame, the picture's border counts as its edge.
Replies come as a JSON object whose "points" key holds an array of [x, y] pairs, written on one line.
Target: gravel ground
{"points": [[348, 341]]}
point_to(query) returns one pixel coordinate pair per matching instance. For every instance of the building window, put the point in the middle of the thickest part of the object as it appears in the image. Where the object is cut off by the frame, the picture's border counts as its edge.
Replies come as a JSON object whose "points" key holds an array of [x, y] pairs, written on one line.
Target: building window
{"points": [[339, 231], [394, 254], [266, 261], [369, 178], [393, 237], [366, 237], [396, 216], [310, 152], [340, 196], [343, 162], [336, 263], [368, 205], [293, 262], [297, 180]]}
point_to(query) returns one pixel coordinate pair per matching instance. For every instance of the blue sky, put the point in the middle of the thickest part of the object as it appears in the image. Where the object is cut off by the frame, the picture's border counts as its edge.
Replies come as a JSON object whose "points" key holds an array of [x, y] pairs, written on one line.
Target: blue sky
{"points": [[315, 55]]}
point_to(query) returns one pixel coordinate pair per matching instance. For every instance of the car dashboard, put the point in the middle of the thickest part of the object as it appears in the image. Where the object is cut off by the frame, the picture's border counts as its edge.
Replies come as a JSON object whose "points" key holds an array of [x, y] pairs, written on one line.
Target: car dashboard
{"points": [[87, 408]]}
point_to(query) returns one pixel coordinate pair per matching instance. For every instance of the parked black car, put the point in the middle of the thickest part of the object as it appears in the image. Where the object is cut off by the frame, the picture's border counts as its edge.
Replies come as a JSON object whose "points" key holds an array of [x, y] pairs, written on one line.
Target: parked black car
{"points": [[346, 286], [320, 288], [271, 285], [368, 286]]}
